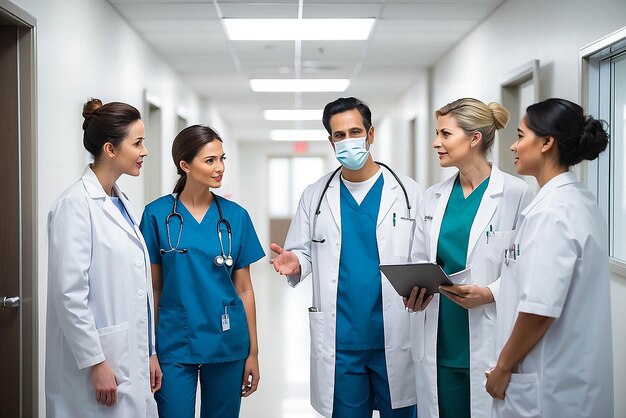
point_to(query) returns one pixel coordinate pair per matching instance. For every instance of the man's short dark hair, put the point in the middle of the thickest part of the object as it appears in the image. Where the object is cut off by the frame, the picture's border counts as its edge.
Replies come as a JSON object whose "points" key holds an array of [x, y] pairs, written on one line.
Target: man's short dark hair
{"points": [[344, 104]]}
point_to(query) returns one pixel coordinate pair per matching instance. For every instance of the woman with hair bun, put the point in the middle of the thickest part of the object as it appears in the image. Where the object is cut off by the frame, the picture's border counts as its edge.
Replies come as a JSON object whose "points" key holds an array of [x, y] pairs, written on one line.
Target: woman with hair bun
{"points": [[465, 222], [554, 311], [100, 356], [201, 247]]}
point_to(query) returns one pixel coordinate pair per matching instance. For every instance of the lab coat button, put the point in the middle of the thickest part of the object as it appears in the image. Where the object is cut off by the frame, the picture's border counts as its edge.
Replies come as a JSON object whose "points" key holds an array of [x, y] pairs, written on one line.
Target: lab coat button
{"points": [[140, 293], [334, 279], [139, 263], [332, 315]]}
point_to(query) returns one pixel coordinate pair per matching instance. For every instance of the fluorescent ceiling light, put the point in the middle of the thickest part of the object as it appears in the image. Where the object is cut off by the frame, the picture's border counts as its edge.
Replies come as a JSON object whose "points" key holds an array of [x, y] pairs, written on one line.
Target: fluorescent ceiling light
{"points": [[299, 85], [289, 114], [298, 135], [298, 29]]}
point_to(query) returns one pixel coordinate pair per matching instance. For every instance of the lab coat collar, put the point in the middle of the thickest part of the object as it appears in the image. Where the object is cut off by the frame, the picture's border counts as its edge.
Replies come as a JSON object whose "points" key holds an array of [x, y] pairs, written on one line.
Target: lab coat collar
{"points": [[388, 196], [487, 208], [442, 193], [554, 183], [96, 192], [333, 199]]}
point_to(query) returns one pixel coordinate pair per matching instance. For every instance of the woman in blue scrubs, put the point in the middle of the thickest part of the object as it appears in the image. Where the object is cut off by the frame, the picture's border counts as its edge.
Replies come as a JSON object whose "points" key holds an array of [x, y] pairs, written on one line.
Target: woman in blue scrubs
{"points": [[201, 247]]}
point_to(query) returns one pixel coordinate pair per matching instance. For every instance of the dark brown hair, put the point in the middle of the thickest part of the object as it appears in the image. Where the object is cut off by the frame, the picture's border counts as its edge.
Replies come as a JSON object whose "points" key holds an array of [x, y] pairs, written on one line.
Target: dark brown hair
{"points": [[106, 123], [187, 145], [578, 137], [343, 104]]}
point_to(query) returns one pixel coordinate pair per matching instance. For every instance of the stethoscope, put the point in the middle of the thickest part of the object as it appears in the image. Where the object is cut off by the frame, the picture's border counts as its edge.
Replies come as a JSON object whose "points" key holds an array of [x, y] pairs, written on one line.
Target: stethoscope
{"points": [[220, 260], [319, 203]]}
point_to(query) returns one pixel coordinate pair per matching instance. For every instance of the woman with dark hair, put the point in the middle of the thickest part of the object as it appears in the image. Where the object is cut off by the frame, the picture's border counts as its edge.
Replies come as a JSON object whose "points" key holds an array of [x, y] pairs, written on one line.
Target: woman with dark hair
{"points": [[553, 332], [100, 357], [201, 247]]}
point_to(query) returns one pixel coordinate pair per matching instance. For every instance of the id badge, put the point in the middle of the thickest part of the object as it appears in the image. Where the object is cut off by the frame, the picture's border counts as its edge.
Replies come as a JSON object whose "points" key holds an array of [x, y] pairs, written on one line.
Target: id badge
{"points": [[225, 320]]}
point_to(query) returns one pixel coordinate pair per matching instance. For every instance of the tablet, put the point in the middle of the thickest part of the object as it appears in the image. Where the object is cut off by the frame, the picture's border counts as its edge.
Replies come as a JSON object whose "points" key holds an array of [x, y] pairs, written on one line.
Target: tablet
{"points": [[404, 277]]}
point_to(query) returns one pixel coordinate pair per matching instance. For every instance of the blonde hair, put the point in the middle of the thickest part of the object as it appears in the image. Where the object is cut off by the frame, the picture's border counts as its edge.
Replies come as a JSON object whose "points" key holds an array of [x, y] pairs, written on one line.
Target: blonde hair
{"points": [[473, 115]]}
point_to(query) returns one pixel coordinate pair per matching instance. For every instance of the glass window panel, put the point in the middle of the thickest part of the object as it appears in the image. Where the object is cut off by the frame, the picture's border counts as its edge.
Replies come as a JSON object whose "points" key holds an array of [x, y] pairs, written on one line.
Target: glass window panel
{"points": [[618, 163], [305, 171], [279, 197]]}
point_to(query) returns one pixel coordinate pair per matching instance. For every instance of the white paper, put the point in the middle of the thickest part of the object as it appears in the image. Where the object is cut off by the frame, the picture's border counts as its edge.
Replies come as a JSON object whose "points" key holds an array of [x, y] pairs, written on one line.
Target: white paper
{"points": [[461, 277]]}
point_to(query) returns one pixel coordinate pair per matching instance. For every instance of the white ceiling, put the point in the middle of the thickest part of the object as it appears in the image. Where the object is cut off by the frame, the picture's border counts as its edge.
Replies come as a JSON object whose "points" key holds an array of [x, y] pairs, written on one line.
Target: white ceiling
{"points": [[408, 35]]}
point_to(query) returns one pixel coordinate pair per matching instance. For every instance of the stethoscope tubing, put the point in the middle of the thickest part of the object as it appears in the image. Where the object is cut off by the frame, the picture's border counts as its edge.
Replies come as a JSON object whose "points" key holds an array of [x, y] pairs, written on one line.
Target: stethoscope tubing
{"points": [[327, 185], [221, 259]]}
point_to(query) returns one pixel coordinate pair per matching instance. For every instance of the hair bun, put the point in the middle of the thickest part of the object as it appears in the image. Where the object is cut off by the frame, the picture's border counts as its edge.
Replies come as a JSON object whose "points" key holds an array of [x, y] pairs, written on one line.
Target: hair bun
{"points": [[500, 114], [89, 109], [593, 139]]}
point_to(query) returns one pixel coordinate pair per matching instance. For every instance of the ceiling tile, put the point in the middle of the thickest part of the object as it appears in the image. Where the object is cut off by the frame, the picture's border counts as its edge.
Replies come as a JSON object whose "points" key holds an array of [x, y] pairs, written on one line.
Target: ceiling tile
{"points": [[439, 10], [338, 10], [140, 11], [259, 10]]}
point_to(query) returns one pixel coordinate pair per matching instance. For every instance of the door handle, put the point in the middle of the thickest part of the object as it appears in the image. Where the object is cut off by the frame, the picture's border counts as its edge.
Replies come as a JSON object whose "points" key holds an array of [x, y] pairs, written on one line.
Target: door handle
{"points": [[7, 302]]}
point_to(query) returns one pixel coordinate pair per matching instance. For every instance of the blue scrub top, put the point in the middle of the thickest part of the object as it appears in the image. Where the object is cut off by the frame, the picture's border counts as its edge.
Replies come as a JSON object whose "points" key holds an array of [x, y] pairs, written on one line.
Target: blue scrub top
{"points": [[196, 292], [359, 290]]}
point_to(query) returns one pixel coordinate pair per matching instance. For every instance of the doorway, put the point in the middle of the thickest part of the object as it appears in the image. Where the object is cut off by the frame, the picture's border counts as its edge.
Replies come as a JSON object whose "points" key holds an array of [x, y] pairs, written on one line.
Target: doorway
{"points": [[520, 90], [18, 241], [152, 172]]}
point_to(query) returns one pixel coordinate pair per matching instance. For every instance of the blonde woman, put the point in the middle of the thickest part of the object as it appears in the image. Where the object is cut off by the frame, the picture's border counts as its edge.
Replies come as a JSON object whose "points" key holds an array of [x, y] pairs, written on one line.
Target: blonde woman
{"points": [[464, 222]]}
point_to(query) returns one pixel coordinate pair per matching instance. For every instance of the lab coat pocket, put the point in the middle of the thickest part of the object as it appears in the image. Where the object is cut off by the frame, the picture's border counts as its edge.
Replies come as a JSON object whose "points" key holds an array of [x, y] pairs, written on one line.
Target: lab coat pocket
{"points": [[115, 346], [316, 324], [173, 334], [401, 236], [522, 397], [497, 242]]}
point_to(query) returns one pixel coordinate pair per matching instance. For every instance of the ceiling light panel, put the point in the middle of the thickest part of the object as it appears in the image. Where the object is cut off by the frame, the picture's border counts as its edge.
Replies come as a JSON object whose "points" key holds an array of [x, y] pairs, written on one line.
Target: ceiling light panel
{"points": [[299, 85], [298, 29]]}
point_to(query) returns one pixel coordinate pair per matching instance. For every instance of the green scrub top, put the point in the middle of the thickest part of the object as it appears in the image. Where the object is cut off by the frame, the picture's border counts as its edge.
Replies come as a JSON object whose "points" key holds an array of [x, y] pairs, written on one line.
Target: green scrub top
{"points": [[453, 327]]}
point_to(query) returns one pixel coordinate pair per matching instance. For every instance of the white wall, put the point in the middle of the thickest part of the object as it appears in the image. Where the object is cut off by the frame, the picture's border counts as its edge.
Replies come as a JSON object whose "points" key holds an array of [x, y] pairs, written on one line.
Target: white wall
{"points": [[517, 32], [393, 132], [85, 49]]}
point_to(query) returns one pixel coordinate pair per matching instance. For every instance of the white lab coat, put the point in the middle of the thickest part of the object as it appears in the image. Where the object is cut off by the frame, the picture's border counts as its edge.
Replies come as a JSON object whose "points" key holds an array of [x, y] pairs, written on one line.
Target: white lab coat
{"points": [[503, 200], [562, 272], [322, 260], [99, 288]]}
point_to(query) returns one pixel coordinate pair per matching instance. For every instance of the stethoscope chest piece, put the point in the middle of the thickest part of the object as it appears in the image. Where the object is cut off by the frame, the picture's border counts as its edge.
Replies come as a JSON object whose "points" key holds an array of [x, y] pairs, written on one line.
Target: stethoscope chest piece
{"points": [[220, 261]]}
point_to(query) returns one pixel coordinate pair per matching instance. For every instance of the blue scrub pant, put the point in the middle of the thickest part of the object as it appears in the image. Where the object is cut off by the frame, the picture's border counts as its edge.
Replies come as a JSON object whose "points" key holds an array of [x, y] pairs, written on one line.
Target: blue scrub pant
{"points": [[220, 390], [361, 385]]}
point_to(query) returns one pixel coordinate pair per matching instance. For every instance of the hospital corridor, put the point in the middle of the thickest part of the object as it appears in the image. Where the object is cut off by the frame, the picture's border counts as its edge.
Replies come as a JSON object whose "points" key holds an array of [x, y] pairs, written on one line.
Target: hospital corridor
{"points": [[313, 208]]}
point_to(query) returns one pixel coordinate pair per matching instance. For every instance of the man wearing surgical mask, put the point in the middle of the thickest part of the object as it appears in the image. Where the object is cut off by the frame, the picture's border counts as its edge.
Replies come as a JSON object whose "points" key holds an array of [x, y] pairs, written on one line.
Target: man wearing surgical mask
{"points": [[348, 223]]}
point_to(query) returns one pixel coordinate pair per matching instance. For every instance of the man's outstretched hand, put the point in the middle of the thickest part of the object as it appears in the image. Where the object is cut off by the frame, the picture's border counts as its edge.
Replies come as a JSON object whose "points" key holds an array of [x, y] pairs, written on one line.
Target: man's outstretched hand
{"points": [[286, 263]]}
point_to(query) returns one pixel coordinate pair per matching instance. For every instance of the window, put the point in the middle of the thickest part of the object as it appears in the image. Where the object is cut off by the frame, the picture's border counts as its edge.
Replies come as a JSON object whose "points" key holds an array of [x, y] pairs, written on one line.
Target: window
{"points": [[604, 93], [297, 173]]}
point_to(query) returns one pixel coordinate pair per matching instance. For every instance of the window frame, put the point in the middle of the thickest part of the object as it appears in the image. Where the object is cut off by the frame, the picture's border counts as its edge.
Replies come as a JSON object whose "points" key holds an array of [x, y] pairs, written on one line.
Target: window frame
{"points": [[595, 61]]}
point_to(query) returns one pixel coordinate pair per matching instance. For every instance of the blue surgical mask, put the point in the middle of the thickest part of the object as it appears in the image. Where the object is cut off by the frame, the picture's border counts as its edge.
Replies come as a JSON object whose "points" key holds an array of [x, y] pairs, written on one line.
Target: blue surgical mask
{"points": [[351, 152]]}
